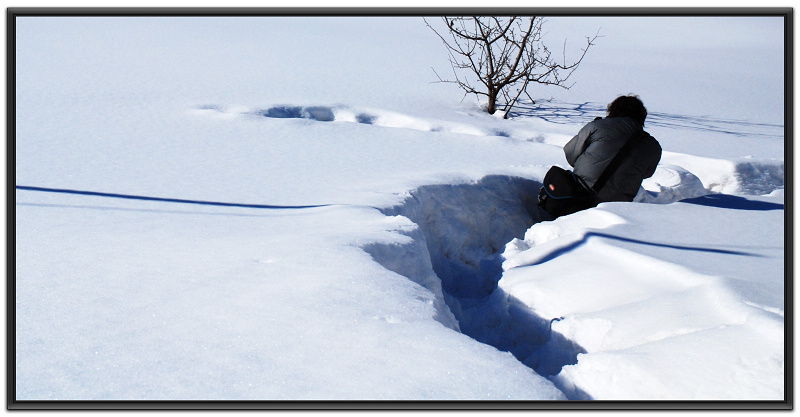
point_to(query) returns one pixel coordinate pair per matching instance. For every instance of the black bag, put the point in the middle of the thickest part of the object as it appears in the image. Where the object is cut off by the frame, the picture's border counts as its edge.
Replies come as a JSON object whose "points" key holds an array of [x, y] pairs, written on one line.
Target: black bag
{"points": [[565, 193]]}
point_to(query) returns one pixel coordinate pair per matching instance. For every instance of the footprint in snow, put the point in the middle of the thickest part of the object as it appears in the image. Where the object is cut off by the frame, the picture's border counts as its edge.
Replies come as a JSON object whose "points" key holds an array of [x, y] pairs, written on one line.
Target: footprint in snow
{"points": [[344, 114]]}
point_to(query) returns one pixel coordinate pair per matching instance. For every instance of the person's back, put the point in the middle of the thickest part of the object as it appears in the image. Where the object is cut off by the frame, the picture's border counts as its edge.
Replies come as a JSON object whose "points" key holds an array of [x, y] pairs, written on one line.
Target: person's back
{"points": [[596, 145], [640, 163]]}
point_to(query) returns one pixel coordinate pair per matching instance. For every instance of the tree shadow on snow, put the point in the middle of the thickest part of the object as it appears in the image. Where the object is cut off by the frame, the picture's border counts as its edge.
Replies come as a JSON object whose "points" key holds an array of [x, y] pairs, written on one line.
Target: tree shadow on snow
{"points": [[555, 111]]}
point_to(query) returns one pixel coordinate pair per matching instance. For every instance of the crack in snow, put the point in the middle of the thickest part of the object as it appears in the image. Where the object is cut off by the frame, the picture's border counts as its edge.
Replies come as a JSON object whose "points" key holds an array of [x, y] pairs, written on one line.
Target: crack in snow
{"points": [[456, 253]]}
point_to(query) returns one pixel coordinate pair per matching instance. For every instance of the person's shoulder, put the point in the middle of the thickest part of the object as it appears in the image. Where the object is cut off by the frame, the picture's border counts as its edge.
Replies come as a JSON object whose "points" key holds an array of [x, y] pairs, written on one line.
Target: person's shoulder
{"points": [[651, 141], [616, 128], [599, 123], [646, 135], [619, 122], [590, 127]]}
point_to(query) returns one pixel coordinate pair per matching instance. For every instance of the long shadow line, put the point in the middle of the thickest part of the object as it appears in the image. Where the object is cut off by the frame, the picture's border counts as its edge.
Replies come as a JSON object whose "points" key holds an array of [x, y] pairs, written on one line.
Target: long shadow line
{"points": [[733, 202], [571, 247], [135, 210], [165, 200]]}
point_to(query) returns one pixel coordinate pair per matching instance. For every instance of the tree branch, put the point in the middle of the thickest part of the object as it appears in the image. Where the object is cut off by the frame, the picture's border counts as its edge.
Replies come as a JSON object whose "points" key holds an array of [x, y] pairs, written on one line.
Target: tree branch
{"points": [[505, 55]]}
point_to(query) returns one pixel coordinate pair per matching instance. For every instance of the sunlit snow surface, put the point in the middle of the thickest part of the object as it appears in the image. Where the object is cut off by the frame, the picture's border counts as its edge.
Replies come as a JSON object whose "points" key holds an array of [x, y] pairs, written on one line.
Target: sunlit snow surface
{"points": [[430, 274]]}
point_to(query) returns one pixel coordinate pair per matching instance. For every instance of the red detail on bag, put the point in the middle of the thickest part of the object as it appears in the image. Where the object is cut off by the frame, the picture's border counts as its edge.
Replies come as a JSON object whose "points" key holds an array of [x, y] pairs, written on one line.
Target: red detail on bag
{"points": [[552, 187]]}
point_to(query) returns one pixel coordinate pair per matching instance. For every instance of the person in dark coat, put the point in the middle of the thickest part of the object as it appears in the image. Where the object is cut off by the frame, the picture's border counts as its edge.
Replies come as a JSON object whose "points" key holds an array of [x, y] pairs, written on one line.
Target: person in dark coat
{"points": [[594, 147]]}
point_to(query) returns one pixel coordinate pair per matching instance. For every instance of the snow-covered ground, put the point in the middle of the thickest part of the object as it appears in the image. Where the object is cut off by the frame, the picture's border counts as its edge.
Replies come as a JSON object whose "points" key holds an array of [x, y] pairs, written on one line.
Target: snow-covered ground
{"points": [[426, 273]]}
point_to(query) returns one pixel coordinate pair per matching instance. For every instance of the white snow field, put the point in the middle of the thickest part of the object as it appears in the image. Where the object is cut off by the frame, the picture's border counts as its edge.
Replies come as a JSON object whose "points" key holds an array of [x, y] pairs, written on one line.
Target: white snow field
{"points": [[424, 271]]}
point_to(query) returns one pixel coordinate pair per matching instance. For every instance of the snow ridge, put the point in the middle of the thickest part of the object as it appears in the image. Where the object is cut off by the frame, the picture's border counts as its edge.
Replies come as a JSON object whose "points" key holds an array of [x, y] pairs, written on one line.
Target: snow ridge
{"points": [[694, 175], [342, 113], [617, 300]]}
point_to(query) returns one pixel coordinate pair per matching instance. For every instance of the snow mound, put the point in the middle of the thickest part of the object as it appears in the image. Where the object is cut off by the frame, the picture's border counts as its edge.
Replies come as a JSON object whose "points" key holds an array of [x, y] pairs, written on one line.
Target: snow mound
{"points": [[342, 113], [470, 121], [670, 184], [748, 176], [651, 317], [571, 228], [759, 177]]}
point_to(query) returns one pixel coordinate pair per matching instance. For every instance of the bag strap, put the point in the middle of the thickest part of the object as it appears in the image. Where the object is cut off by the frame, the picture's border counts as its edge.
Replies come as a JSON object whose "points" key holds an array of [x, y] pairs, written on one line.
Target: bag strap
{"points": [[616, 162]]}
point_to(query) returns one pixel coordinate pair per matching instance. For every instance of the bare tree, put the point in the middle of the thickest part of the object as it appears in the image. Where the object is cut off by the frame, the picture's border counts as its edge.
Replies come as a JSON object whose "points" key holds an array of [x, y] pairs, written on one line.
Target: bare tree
{"points": [[506, 54]]}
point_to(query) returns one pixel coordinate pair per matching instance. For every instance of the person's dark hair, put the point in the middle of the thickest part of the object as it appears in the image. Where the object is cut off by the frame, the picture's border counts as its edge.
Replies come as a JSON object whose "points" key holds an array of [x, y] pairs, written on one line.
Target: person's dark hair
{"points": [[628, 106]]}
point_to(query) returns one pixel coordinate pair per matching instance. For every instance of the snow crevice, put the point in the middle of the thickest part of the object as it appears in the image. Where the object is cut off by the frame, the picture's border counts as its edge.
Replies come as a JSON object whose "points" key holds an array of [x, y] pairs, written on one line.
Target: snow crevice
{"points": [[456, 252]]}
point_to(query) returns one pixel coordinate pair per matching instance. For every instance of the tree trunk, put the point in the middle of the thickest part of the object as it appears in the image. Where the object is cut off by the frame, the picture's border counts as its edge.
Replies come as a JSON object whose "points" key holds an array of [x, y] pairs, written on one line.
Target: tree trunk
{"points": [[492, 107]]}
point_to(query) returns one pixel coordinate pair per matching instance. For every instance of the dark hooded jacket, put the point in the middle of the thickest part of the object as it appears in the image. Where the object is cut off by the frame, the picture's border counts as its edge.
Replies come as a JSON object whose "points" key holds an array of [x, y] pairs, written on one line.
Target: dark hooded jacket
{"points": [[596, 145]]}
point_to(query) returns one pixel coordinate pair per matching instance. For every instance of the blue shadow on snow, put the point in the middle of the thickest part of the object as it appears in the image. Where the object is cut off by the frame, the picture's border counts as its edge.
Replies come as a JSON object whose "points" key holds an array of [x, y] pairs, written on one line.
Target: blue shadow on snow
{"points": [[555, 111], [732, 202], [571, 247]]}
